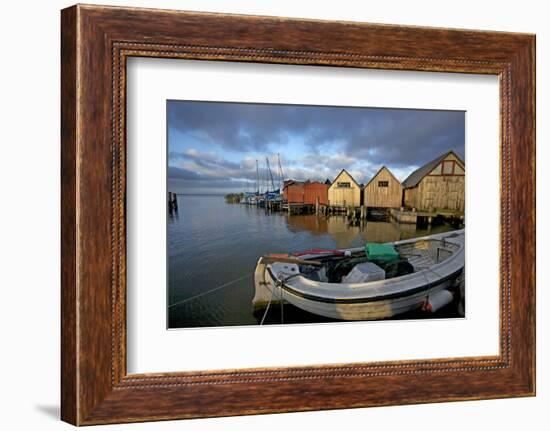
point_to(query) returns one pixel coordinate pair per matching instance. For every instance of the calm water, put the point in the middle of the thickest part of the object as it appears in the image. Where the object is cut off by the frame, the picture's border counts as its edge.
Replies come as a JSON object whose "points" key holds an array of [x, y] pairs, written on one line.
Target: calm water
{"points": [[212, 243]]}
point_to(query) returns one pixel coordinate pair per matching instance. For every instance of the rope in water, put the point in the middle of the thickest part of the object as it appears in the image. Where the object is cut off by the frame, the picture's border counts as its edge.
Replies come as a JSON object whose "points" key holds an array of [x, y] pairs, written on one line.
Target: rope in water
{"points": [[210, 291]]}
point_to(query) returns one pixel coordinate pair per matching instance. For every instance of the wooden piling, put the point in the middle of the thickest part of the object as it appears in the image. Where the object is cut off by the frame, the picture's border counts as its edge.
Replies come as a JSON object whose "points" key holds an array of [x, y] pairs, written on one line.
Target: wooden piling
{"points": [[172, 202]]}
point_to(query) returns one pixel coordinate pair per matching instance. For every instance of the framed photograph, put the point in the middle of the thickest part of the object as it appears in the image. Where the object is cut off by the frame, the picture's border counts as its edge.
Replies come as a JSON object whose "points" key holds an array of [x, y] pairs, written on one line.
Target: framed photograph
{"points": [[374, 231], [329, 214]]}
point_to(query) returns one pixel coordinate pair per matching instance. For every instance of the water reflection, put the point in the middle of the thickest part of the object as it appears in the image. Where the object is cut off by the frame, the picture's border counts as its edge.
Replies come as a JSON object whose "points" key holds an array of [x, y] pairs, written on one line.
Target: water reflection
{"points": [[346, 232], [211, 243]]}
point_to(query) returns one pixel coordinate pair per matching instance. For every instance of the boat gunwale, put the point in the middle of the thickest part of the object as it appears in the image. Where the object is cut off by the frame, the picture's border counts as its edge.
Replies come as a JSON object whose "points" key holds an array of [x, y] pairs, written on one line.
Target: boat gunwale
{"points": [[357, 300], [409, 277]]}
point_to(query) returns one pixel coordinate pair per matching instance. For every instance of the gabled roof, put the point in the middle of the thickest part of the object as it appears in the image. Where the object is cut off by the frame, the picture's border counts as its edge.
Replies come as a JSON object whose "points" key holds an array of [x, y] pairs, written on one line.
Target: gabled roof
{"points": [[414, 178], [380, 170], [343, 170]]}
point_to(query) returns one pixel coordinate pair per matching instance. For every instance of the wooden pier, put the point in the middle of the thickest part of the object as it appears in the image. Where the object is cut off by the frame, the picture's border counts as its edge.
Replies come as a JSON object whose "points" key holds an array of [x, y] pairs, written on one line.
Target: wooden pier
{"points": [[351, 212], [273, 205], [298, 208], [411, 216], [355, 213]]}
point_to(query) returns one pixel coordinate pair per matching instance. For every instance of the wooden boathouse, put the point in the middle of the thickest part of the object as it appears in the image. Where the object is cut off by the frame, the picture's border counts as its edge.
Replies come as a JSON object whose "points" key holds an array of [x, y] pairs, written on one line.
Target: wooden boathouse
{"points": [[384, 190], [344, 192], [305, 195], [293, 192], [438, 186]]}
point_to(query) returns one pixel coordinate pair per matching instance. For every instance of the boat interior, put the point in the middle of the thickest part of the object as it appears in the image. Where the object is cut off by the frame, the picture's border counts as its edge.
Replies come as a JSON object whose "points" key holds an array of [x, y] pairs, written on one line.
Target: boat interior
{"points": [[425, 253], [413, 257]]}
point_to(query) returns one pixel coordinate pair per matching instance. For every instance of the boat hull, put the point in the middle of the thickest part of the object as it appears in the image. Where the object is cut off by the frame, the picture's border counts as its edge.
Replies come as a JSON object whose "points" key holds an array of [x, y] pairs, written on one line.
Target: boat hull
{"points": [[354, 307], [370, 310]]}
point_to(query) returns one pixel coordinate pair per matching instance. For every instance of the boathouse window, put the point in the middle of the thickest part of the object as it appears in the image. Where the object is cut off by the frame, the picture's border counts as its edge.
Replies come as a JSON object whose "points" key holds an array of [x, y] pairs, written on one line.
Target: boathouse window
{"points": [[344, 184], [382, 183], [448, 167]]}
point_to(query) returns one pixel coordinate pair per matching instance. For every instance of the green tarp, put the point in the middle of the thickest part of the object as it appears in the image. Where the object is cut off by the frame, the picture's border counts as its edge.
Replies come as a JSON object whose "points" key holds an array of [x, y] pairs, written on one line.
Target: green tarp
{"points": [[382, 252]]}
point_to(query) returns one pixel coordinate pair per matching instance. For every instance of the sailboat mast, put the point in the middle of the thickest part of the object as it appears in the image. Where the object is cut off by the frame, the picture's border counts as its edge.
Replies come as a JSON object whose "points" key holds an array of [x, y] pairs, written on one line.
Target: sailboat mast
{"points": [[270, 174], [282, 174], [257, 178]]}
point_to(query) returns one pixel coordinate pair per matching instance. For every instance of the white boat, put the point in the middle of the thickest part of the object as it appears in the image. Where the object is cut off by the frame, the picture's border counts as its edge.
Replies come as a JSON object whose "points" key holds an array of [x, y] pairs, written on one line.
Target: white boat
{"points": [[437, 261]]}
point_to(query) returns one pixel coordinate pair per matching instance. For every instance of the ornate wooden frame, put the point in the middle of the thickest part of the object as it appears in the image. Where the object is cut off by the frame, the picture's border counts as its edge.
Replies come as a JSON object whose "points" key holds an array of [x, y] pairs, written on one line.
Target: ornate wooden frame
{"points": [[95, 42]]}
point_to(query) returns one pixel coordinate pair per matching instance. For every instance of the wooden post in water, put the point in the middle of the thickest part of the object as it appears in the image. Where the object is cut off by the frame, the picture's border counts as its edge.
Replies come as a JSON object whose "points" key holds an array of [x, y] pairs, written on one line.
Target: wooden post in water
{"points": [[316, 204], [170, 206], [172, 202]]}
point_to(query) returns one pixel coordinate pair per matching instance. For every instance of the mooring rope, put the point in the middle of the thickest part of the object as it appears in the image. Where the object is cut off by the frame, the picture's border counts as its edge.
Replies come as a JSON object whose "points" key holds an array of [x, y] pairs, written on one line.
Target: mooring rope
{"points": [[282, 305], [279, 284], [267, 308], [211, 290]]}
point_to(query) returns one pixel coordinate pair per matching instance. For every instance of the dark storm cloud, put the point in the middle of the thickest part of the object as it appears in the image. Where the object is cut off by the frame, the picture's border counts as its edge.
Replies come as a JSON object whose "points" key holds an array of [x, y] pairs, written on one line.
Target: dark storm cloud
{"points": [[204, 159], [404, 138], [395, 137], [189, 181], [183, 174], [218, 145], [210, 185]]}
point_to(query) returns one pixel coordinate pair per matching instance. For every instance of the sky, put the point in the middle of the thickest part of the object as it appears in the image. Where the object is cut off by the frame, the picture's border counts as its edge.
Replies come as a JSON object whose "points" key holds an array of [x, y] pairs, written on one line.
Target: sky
{"points": [[213, 146]]}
